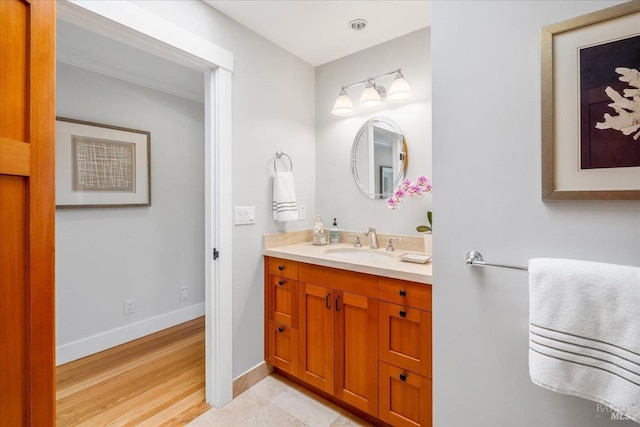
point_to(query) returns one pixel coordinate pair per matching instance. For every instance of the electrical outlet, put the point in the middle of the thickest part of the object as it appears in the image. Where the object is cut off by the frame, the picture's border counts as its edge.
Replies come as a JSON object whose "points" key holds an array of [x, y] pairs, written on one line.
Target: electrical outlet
{"points": [[184, 293], [129, 306], [302, 212]]}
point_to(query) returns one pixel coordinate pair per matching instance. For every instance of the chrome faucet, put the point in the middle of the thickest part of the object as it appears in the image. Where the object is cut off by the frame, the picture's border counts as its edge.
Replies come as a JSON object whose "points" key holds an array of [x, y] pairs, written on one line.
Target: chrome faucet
{"points": [[374, 237]]}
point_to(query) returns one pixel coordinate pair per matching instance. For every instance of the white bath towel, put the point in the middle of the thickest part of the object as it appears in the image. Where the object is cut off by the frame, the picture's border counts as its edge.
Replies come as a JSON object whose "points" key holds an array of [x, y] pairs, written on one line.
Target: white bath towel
{"points": [[584, 331], [285, 207]]}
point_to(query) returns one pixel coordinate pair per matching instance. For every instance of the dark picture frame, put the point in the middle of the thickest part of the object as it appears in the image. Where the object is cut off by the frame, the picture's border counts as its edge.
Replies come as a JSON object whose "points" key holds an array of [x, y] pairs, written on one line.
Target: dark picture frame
{"points": [[101, 166]]}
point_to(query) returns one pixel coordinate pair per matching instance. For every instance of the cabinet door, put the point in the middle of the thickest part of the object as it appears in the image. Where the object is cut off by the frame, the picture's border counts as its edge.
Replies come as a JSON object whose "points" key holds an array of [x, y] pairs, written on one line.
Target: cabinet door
{"points": [[405, 397], [283, 301], [283, 347], [316, 329], [405, 337], [357, 351]]}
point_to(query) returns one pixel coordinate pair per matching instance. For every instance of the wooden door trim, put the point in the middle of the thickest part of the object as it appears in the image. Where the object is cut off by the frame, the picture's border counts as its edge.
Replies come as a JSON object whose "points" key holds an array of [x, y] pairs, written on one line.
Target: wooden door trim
{"points": [[15, 157], [41, 298]]}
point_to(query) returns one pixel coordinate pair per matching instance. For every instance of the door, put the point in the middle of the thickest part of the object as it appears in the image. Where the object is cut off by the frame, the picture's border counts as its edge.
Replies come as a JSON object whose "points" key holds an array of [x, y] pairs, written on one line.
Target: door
{"points": [[27, 213], [316, 336], [357, 351]]}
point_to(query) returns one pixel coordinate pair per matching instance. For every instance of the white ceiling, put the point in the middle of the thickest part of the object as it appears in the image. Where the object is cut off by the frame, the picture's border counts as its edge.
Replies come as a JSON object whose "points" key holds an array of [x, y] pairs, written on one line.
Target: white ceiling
{"points": [[318, 31]]}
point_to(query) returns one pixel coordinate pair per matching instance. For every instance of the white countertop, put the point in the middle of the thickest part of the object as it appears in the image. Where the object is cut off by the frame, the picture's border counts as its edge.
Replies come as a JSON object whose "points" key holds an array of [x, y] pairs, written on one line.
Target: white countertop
{"points": [[391, 266]]}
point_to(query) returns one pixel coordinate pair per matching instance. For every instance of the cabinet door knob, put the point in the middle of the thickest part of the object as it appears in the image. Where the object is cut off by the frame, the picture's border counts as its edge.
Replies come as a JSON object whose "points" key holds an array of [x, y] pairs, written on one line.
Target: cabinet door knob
{"points": [[281, 329], [403, 377], [403, 313], [281, 267], [280, 282], [403, 293], [338, 303], [327, 300]]}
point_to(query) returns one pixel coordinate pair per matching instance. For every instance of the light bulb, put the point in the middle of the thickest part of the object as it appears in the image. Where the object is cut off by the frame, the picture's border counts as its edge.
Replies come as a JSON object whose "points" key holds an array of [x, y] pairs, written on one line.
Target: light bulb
{"points": [[400, 89], [370, 97], [343, 105]]}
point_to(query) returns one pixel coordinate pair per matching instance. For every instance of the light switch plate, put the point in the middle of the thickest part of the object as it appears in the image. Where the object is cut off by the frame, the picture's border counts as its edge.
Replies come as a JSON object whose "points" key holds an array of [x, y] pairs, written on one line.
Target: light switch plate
{"points": [[245, 215]]}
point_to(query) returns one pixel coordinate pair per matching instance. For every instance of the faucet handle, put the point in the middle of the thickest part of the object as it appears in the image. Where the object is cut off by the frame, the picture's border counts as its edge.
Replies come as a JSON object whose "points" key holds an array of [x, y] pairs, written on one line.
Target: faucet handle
{"points": [[390, 247], [357, 244]]}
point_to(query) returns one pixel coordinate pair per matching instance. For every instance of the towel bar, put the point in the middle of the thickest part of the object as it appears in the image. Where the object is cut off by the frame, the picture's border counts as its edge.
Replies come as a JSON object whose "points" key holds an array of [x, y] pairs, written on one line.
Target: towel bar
{"points": [[474, 259], [279, 155]]}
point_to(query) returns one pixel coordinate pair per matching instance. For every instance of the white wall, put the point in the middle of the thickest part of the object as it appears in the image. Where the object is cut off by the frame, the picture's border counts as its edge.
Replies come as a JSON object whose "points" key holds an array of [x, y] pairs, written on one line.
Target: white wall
{"points": [[106, 256], [273, 109], [337, 194], [486, 74]]}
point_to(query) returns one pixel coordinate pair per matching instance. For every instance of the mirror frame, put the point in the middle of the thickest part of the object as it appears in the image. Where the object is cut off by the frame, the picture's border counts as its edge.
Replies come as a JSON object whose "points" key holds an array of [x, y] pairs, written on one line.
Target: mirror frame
{"points": [[405, 162]]}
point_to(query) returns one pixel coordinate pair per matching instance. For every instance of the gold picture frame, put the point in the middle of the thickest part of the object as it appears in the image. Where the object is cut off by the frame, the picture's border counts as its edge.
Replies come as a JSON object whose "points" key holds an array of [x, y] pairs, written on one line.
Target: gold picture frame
{"points": [[563, 177]]}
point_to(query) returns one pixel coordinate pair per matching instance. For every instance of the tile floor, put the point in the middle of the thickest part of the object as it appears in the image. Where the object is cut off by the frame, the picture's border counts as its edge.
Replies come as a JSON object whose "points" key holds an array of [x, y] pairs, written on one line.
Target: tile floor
{"points": [[277, 402]]}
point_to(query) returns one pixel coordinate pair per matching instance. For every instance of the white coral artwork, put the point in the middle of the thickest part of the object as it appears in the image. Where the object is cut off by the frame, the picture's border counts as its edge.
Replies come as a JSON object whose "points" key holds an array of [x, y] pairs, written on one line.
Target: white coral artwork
{"points": [[627, 105]]}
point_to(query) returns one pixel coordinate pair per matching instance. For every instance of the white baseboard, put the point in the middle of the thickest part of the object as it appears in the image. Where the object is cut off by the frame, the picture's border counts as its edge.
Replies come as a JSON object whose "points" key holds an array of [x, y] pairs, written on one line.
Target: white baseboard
{"points": [[78, 349]]}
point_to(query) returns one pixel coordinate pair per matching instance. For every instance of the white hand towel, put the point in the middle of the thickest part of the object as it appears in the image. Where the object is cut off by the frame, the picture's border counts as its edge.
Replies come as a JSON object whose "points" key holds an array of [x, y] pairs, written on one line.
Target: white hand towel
{"points": [[285, 207], [584, 331]]}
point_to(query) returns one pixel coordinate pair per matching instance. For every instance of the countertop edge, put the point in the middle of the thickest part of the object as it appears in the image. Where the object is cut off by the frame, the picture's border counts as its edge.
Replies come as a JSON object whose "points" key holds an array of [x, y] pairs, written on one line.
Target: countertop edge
{"points": [[342, 265]]}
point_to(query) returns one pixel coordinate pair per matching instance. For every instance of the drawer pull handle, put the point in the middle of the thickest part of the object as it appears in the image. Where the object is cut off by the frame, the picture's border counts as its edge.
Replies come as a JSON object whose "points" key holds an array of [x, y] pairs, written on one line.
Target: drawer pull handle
{"points": [[403, 313], [403, 293], [281, 267], [280, 282], [403, 377], [338, 303], [281, 329], [326, 301]]}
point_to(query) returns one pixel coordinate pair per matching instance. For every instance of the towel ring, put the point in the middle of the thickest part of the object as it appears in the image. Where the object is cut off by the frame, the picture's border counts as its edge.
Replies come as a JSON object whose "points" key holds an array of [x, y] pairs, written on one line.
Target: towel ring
{"points": [[279, 155]]}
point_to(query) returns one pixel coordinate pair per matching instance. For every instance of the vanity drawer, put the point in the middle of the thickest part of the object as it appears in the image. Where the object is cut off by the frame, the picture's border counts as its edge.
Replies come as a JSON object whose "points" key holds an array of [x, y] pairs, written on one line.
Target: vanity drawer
{"points": [[405, 397], [405, 293], [283, 268], [283, 347], [405, 337], [283, 301]]}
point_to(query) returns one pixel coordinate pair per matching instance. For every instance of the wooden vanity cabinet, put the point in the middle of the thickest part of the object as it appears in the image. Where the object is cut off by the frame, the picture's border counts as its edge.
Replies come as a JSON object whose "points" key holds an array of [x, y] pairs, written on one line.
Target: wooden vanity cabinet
{"points": [[338, 314], [281, 309], [365, 340], [405, 353]]}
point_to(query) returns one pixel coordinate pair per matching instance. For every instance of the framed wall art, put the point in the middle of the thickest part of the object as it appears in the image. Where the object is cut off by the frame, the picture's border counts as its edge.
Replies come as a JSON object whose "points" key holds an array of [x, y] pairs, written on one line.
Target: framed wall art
{"points": [[101, 166], [591, 106]]}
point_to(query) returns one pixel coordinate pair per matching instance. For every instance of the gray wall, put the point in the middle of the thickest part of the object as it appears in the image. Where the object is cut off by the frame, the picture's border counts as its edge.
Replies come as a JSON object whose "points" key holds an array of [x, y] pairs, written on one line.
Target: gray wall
{"points": [[273, 109], [486, 62], [337, 194], [105, 256]]}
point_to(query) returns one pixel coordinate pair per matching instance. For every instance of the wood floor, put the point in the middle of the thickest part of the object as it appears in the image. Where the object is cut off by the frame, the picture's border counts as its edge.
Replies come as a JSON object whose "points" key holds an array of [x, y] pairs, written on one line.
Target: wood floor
{"points": [[157, 380]]}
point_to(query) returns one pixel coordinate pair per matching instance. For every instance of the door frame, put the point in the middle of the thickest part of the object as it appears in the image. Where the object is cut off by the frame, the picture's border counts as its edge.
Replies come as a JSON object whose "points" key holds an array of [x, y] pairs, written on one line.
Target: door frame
{"points": [[132, 25]]}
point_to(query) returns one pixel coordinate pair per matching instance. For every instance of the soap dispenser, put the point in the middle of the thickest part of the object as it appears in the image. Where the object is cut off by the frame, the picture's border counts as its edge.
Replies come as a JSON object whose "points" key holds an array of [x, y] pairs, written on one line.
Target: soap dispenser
{"points": [[334, 233], [319, 236]]}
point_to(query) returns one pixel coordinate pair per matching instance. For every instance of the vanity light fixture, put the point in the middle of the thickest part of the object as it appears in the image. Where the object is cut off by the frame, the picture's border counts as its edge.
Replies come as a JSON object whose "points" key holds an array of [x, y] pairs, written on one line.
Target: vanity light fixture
{"points": [[373, 95], [343, 105], [400, 89]]}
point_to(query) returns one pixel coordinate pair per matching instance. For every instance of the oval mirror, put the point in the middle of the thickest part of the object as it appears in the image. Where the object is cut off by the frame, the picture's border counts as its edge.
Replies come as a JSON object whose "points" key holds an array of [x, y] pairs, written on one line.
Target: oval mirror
{"points": [[379, 157]]}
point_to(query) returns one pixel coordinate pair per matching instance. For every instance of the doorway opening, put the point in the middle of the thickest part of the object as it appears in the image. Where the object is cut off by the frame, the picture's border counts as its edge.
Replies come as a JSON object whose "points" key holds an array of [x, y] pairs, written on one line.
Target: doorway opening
{"points": [[143, 30]]}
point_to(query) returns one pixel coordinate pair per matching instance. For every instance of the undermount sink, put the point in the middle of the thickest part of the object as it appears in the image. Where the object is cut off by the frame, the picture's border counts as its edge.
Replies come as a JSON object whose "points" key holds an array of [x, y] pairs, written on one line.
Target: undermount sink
{"points": [[358, 254]]}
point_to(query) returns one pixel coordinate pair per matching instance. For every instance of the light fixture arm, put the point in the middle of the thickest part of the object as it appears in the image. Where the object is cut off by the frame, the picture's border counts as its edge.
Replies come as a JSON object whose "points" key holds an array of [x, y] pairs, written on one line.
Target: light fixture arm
{"points": [[372, 79]]}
